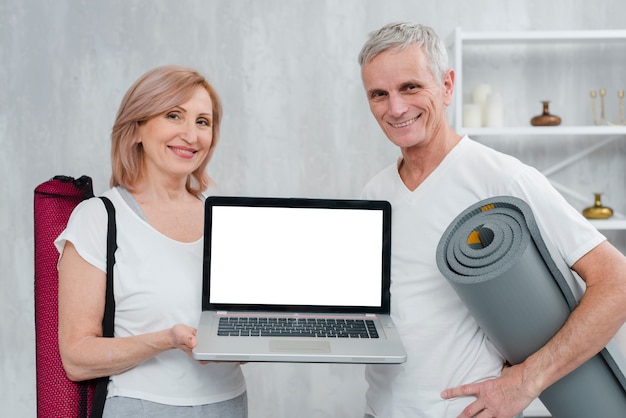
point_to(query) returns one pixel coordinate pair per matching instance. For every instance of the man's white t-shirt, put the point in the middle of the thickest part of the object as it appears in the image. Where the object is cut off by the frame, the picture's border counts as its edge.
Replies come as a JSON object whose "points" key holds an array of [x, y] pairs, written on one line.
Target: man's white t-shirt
{"points": [[157, 284], [445, 346]]}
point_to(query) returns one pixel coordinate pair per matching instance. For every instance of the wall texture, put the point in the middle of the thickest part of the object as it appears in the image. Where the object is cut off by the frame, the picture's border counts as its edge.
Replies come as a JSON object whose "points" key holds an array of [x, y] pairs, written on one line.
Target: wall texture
{"points": [[296, 124]]}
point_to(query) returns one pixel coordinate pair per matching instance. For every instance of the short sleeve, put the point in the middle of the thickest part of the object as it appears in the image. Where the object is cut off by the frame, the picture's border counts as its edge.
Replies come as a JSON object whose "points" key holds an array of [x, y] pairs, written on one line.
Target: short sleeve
{"points": [[568, 230], [87, 230]]}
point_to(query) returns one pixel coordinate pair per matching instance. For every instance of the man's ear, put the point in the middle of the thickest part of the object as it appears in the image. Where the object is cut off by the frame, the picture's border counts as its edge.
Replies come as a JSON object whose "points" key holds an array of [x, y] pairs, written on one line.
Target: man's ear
{"points": [[448, 86]]}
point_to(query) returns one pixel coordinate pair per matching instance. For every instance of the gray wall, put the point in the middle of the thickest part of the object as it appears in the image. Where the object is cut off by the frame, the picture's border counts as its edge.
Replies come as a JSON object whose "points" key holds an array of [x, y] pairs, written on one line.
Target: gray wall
{"points": [[296, 124]]}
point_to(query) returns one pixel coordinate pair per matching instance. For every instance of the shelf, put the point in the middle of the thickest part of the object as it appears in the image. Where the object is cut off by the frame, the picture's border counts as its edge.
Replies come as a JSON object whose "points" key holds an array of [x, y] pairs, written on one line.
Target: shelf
{"points": [[547, 130], [612, 224], [540, 36]]}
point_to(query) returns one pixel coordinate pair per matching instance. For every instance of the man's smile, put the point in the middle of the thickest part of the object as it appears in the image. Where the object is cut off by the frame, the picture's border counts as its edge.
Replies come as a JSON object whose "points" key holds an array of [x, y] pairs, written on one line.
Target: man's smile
{"points": [[405, 123]]}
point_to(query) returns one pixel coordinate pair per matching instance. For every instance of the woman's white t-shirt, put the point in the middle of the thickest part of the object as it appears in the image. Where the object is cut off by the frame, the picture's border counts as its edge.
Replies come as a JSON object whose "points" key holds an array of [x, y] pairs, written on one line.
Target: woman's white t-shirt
{"points": [[157, 284]]}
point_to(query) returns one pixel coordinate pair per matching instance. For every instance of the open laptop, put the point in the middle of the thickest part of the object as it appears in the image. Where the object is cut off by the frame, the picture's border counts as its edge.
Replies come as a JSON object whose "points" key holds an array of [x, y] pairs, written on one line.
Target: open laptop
{"points": [[297, 280]]}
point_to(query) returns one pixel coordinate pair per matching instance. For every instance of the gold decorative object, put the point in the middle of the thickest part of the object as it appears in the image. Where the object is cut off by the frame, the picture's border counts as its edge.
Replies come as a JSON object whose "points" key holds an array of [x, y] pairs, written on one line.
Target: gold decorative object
{"points": [[620, 96], [603, 119], [597, 211], [593, 107], [545, 119], [602, 94]]}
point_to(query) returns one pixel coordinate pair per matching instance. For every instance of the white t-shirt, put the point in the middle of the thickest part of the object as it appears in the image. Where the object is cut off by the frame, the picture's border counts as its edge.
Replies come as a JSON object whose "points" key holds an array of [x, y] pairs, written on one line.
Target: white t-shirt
{"points": [[157, 284], [445, 346]]}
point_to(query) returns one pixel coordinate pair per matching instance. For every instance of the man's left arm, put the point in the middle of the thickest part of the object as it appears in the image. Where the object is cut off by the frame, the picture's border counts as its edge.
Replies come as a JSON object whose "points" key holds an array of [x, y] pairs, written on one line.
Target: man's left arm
{"points": [[599, 315]]}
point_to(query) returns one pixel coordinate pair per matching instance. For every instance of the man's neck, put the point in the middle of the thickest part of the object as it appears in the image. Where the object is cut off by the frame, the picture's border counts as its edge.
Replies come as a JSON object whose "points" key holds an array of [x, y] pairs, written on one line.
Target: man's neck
{"points": [[420, 161]]}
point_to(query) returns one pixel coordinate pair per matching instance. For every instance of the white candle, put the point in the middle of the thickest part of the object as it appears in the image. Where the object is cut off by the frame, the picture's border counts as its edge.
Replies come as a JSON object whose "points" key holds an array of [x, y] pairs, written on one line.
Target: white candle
{"points": [[472, 115], [494, 111], [479, 97]]}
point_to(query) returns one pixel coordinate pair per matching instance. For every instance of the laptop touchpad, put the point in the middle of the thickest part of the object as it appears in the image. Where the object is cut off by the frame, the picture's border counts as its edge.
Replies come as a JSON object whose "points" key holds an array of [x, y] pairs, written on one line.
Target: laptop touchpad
{"points": [[282, 346]]}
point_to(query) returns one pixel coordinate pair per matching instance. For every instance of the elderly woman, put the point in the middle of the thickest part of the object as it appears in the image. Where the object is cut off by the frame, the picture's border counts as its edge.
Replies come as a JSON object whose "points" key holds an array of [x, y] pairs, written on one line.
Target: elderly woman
{"points": [[163, 138]]}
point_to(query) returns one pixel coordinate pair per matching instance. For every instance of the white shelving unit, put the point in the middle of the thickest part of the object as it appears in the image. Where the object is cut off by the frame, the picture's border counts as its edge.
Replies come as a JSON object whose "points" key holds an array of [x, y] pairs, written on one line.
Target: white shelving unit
{"points": [[460, 39], [605, 134]]}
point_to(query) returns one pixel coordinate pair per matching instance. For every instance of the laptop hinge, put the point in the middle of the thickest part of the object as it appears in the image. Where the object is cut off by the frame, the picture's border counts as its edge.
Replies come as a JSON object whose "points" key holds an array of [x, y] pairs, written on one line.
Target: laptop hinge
{"points": [[221, 312], [370, 314]]}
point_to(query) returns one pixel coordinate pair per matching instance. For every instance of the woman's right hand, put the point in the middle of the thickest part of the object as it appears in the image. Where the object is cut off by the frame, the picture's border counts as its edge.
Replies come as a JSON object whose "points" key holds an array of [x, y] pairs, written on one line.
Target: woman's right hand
{"points": [[183, 337], [84, 352]]}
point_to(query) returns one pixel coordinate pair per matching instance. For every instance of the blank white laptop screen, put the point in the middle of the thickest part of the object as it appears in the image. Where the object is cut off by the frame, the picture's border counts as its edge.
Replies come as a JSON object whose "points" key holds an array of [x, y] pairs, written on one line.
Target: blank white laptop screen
{"points": [[282, 276], [296, 256]]}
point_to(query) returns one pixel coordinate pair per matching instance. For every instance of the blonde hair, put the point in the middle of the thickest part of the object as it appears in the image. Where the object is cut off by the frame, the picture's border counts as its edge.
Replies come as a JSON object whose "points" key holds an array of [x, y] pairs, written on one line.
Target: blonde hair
{"points": [[154, 93]]}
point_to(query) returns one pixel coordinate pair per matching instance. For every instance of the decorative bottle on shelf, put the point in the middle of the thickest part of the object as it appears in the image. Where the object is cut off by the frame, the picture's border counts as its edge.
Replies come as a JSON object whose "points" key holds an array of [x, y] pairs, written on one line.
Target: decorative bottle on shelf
{"points": [[597, 211], [545, 119]]}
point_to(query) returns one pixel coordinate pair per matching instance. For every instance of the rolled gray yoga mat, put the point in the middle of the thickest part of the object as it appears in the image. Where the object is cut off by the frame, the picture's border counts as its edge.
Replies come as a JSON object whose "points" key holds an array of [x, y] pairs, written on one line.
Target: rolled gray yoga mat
{"points": [[496, 260]]}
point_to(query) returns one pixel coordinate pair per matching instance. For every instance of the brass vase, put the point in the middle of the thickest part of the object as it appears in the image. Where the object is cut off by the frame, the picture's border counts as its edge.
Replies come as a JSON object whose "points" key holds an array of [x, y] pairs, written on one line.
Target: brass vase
{"points": [[546, 119], [597, 211]]}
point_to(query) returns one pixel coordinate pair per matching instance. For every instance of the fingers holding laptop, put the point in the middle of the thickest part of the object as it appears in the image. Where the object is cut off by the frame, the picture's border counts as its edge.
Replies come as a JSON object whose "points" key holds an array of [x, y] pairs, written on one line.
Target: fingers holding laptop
{"points": [[183, 337]]}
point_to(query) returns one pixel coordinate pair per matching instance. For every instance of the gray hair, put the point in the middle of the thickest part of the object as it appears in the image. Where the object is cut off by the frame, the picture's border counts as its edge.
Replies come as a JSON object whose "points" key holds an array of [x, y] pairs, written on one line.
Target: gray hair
{"points": [[401, 35]]}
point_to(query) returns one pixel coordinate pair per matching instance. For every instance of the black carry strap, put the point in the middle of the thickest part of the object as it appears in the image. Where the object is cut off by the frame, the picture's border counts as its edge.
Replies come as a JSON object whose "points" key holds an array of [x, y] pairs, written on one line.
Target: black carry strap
{"points": [[109, 306]]}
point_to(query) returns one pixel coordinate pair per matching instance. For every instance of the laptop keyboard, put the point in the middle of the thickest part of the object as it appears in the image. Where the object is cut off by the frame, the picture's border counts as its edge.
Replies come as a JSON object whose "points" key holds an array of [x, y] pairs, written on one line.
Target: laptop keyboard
{"points": [[232, 326]]}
